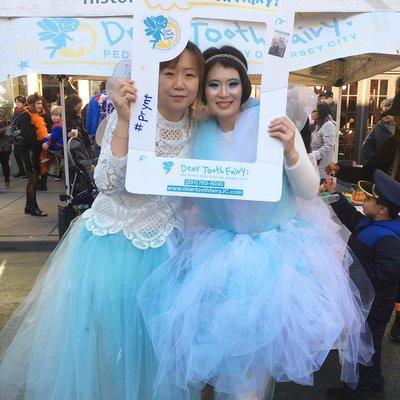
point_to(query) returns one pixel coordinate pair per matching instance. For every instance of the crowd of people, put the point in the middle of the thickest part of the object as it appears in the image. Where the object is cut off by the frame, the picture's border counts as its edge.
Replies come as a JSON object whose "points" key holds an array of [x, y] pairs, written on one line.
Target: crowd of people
{"points": [[36, 140], [139, 302]]}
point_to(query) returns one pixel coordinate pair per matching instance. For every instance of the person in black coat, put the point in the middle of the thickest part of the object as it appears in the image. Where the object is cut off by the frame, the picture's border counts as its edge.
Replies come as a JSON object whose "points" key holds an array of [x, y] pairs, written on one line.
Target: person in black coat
{"points": [[30, 151], [385, 161], [73, 116], [5, 151], [375, 240], [376, 138], [388, 159], [20, 103]]}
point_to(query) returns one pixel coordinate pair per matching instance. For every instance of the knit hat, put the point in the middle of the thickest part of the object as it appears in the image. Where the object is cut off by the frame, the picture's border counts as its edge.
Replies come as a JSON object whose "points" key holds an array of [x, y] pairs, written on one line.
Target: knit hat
{"points": [[394, 110]]}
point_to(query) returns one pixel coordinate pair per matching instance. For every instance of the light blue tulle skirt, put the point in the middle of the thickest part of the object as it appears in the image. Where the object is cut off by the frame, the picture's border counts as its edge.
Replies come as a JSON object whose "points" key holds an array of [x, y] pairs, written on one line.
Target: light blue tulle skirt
{"points": [[235, 310], [80, 334]]}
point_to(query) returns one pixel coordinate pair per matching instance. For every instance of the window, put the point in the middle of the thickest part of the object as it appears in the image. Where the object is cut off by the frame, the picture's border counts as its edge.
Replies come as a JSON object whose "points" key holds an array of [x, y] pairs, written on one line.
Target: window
{"points": [[378, 91], [20, 86], [348, 122]]}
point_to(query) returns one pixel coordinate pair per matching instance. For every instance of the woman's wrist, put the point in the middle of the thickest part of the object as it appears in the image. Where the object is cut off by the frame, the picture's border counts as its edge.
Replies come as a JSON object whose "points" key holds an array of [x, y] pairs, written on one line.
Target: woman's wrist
{"points": [[122, 128], [292, 157]]}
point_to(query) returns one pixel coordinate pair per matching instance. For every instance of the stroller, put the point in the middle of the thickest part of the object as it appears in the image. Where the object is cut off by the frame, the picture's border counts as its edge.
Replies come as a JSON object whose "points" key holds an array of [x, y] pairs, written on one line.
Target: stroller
{"points": [[83, 189]]}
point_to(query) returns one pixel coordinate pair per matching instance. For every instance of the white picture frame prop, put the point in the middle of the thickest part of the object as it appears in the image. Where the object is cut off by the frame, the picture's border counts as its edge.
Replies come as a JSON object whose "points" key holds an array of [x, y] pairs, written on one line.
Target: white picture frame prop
{"points": [[162, 29]]}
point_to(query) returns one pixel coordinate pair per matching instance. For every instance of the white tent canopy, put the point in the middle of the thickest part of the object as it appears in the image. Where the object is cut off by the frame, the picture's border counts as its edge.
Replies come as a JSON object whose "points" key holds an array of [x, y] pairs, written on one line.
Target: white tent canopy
{"points": [[345, 70]]}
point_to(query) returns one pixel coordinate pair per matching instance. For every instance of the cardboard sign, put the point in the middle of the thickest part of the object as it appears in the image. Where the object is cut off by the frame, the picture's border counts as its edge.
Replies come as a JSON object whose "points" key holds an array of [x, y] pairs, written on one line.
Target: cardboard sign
{"points": [[162, 29]]}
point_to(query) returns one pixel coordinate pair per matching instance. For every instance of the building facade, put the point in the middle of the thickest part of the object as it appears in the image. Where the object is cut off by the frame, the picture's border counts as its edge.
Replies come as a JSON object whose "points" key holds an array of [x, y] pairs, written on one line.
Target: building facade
{"points": [[360, 110]]}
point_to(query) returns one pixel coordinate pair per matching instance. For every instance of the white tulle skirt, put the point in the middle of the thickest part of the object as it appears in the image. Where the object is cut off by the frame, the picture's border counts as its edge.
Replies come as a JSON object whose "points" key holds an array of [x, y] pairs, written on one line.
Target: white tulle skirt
{"points": [[238, 310]]}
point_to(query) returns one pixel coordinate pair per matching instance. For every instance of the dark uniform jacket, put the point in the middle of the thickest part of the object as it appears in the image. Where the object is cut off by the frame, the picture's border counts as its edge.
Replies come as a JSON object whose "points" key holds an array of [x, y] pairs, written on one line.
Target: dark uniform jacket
{"points": [[383, 160], [377, 246], [374, 141]]}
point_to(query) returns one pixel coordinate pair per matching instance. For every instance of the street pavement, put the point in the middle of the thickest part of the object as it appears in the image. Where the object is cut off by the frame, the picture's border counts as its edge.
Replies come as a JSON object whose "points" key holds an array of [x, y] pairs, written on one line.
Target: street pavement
{"points": [[26, 242], [19, 231], [18, 271]]}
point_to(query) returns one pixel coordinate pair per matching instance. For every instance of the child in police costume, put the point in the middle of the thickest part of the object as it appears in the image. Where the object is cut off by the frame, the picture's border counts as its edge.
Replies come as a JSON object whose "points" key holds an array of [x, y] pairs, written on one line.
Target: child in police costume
{"points": [[375, 240]]}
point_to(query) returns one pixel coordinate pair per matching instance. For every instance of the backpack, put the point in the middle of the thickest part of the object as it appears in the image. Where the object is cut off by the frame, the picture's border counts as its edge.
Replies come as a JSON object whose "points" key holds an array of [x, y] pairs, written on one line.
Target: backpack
{"points": [[14, 132]]}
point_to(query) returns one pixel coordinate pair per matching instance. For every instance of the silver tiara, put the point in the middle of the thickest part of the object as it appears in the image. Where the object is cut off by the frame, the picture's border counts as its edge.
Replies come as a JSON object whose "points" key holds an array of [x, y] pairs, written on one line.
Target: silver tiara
{"points": [[227, 56]]}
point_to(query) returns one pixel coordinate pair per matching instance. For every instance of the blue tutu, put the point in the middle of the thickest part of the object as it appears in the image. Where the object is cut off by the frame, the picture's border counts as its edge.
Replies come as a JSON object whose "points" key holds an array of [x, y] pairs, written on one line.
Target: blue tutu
{"points": [[259, 291], [234, 309], [80, 334]]}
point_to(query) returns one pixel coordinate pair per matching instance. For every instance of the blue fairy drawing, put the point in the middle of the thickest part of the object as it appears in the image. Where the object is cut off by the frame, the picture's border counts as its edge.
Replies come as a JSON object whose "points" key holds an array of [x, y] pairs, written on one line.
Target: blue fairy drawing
{"points": [[167, 165], [55, 30], [155, 25]]}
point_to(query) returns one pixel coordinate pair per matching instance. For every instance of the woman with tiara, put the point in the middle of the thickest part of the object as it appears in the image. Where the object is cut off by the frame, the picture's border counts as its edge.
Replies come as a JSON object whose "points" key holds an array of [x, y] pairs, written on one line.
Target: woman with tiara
{"points": [[80, 334], [258, 291]]}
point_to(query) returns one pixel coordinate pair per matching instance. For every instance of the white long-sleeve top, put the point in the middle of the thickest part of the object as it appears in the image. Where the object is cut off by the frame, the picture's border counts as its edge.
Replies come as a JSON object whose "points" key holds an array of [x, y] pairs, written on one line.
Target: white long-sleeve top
{"points": [[303, 177], [146, 220], [241, 145]]}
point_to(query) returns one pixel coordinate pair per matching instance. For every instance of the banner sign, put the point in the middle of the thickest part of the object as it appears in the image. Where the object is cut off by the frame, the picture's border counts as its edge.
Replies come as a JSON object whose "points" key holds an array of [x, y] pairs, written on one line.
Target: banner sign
{"points": [[93, 46], [322, 37], [162, 30], [80, 8]]}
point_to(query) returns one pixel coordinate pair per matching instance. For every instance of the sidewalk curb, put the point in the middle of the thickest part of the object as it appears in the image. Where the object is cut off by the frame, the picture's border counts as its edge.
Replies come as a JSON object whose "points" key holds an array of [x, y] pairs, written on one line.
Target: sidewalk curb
{"points": [[28, 243]]}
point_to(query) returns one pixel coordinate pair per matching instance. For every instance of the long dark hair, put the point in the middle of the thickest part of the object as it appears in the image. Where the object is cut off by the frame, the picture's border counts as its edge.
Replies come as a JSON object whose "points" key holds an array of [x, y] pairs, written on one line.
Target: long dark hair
{"points": [[70, 102], [46, 114], [32, 99], [323, 114]]}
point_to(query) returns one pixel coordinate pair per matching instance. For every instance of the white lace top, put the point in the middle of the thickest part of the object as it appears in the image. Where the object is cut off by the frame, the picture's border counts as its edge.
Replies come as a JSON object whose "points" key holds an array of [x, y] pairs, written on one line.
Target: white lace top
{"points": [[146, 220]]}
